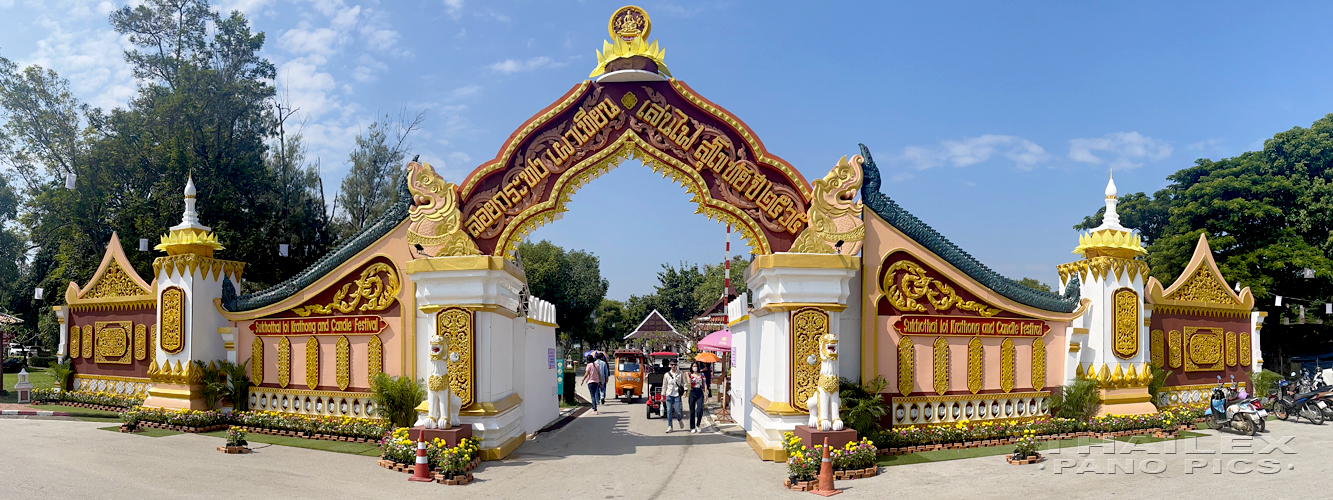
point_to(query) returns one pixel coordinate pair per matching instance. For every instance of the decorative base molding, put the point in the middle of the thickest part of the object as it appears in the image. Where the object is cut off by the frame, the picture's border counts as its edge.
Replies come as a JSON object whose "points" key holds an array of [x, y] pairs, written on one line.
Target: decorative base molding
{"points": [[320, 403], [930, 410], [175, 396], [1128, 401]]}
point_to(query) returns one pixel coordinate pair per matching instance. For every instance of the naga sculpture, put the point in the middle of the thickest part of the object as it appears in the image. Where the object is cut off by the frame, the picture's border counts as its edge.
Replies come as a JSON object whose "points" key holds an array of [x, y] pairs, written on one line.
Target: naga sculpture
{"points": [[435, 217], [834, 215], [441, 402], [825, 403]]}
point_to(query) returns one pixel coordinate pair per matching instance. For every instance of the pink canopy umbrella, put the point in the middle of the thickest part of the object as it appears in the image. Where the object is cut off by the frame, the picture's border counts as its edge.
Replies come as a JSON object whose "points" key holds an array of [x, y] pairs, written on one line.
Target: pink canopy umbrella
{"points": [[719, 341]]}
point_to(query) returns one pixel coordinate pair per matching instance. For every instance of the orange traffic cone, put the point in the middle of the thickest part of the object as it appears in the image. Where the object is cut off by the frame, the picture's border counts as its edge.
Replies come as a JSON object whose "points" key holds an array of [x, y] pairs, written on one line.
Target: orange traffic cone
{"points": [[422, 472], [825, 486]]}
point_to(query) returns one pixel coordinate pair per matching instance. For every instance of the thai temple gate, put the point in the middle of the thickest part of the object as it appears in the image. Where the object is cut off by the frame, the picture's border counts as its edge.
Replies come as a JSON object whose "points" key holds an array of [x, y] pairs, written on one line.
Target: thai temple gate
{"points": [[432, 290]]}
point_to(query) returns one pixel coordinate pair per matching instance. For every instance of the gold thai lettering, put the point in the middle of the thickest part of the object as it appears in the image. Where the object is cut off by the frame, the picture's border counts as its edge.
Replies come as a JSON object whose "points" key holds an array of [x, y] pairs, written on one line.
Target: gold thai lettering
{"points": [[671, 122]]}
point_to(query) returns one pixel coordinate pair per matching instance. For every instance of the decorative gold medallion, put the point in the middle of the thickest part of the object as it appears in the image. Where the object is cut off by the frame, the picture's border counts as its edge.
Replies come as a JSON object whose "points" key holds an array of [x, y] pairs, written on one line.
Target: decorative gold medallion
{"points": [[906, 364], [1007, 365], [312, 362], [808, 325], [173, 320], [375, 357], [284, 362], [113, 342], [1125, 338], [257, 361], [343, 363], [1038, 364], [629, 22], [1203, 349], [456, 325], [941, 365], [975, 361]]}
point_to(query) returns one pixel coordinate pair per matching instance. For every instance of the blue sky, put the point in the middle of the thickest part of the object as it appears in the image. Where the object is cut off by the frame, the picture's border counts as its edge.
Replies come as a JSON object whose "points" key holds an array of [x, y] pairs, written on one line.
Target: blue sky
{"points": [[994, 122]]}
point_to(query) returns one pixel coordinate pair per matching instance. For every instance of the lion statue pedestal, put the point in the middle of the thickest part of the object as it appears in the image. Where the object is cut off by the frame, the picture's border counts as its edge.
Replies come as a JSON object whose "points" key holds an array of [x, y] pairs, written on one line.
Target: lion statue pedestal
{"points": [[811, 436]]}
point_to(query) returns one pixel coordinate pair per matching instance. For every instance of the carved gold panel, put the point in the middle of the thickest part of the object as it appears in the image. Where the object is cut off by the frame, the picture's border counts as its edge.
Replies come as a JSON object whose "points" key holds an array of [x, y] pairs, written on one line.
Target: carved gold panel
{"points": [[257, 361], [906, 282], [113, 339], [1007, 362], [1243, 349], [808, 324], [375, 355], [312, 362], [1203, 287], [114, 283], [1231, 348], [941, 365], [1203, 349], [1157, 348], [1125, 336], [374, 290], [975, 364], [87, 341], [140, 342], [906, 364], [173, 320], [343, 363], [1175, 346], [284, 362], [152, 344], [75, 342], [1038, 364], [456, 325]]}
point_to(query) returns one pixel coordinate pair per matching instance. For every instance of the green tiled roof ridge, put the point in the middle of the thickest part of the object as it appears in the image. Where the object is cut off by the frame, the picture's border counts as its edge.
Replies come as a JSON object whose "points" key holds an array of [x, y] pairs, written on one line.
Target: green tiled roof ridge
{"points": [[326, 264], [928, 237]]}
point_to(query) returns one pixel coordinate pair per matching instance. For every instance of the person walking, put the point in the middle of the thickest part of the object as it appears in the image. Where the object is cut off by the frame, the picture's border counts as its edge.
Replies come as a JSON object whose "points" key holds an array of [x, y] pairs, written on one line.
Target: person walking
{"points": [[708, 378], [606, 373], [673, 385], [592, 376], [697, 383]]}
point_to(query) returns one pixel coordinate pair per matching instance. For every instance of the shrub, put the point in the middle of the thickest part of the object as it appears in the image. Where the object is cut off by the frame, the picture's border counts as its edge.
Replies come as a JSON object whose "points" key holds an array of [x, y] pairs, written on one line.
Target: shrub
{"points": [[238, 384], [396, 398], [62, 372], [1158, 381], [42, 361], [1264, 383], [212, 381], [1078, 401], [863, 405]]}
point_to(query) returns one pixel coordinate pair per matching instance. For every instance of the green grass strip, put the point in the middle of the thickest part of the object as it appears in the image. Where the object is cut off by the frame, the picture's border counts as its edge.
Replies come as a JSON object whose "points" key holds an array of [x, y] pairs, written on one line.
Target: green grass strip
{"points": [[986, 451], [1144, 439], [363, 449], [147, 431]]}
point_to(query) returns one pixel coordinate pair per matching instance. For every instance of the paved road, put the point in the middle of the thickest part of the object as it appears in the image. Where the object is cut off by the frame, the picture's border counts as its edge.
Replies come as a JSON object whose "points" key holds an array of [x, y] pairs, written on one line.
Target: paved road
{"points": [[620, 454]]}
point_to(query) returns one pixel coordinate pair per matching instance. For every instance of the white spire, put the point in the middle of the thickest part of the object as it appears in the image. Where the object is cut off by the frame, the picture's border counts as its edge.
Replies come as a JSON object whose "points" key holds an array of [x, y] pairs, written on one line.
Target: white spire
{"points": [[1111, 220], [190, 219]]}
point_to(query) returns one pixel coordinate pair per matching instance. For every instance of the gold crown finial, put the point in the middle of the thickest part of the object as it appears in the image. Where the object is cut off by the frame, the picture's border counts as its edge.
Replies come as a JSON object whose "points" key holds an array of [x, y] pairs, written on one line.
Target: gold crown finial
{"points": [[629, 28], [629, 22]]}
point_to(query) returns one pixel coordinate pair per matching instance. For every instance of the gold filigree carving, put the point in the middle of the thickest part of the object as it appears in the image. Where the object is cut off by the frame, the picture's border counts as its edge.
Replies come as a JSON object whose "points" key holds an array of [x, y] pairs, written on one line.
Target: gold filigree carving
{"points": [[1174, 347], [173, 320], [113, 342], [75, 342], [975, 364], [1157, 348], [1243, 349], [906, 364], [1203, 287], [257, 361], [915, 283], [436, 220], [375, 290], [1101, 267], [1038, 364], [941, 365], [343, 363], [114, 283], [140, 342], [375, 357], [1231, 348], [834, 216], [87, 341], [1203, 349], [808, 325], [312, 362], [284, 362], [456, 325], [1125, 339], [152, 345], [1008, 360]]}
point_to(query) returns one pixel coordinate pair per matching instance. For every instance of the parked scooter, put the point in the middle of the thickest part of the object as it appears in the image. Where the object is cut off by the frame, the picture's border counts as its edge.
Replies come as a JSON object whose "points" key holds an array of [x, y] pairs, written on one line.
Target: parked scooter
{"points": [[1241, 398], [1223, 413], [1295, 396]]}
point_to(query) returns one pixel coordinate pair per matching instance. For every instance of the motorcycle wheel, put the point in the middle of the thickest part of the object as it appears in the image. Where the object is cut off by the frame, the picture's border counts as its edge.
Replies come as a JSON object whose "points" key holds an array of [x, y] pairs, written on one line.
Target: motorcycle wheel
{"points": [[649, 410], [1263, 425], [1242, 424], [1281, 411], [1211, 421], [1315, 414]]}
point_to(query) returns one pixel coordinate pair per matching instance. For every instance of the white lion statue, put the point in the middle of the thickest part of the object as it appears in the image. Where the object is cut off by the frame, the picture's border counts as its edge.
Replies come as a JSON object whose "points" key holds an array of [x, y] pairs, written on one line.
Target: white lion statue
{"points": [[442, 404], [825, 403]]}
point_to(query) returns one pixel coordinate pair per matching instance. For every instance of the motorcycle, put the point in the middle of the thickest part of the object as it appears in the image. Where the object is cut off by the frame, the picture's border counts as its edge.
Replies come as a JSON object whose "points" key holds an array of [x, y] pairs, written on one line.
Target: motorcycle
{"points": [[1240, 397], [1223, 413], [1296, 396]]}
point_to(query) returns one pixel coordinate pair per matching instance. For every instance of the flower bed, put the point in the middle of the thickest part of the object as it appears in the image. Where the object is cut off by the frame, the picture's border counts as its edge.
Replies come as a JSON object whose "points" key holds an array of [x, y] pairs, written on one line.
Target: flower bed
{"points": [[448, 465], [330, 428], [176, 420], [97, 400], [853, 461], [970, 435]]}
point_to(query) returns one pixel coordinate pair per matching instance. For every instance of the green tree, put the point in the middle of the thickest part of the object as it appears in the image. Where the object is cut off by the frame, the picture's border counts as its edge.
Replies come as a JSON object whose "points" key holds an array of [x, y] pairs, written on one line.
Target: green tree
{"points": [[1034, 284], [610, 324], [371, 186], [572, 280]]}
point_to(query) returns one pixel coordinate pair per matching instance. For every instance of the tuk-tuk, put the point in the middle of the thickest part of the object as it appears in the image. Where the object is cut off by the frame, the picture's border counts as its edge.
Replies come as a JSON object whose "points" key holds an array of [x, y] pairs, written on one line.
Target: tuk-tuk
{"points": [[661, 363], [629, 375]]}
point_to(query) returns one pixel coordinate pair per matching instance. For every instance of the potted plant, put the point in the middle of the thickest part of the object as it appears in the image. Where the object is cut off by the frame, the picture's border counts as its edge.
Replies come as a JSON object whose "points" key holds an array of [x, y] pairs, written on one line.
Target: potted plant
{"points": [[1025, 450], [236, 442]]}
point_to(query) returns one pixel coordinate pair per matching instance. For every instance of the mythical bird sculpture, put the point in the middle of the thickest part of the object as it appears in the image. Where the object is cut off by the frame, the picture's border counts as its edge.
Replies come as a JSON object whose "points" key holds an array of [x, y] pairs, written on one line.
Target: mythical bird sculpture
{"points": [[834, 215]]}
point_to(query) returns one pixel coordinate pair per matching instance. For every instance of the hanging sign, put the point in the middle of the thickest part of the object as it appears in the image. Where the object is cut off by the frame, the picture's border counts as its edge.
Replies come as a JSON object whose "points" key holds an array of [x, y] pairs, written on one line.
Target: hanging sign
{"points": [[320, 325], [913, 324]]}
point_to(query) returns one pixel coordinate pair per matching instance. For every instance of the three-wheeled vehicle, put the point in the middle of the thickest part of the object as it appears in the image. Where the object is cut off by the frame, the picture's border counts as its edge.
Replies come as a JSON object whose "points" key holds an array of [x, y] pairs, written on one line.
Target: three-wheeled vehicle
{"points": [[629, 375], [660, 364]]}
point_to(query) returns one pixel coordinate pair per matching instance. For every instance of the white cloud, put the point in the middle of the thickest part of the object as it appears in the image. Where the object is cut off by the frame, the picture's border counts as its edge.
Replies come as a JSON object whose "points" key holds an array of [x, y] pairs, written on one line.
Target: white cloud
{"points": [[1204, 144], [306, 87], [452, 7], [249, 7], [459, 157], [508, 66], [306, 40], [92, 61], [1128, 149], [960, 153], [466, 91]]}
